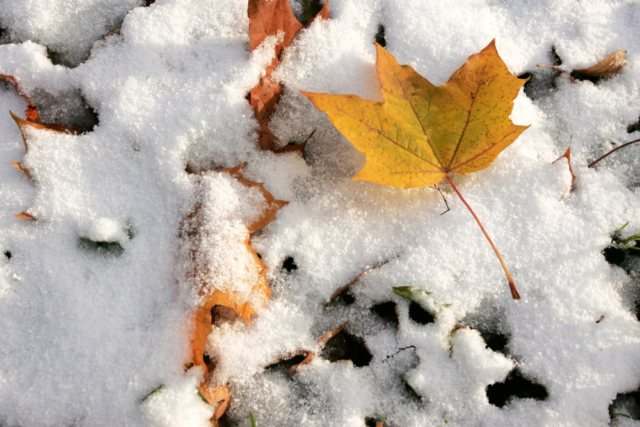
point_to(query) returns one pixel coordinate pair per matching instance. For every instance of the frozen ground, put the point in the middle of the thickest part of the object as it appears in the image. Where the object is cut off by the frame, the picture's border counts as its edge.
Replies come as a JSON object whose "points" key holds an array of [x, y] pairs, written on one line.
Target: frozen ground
{"points": [[87, 332]]}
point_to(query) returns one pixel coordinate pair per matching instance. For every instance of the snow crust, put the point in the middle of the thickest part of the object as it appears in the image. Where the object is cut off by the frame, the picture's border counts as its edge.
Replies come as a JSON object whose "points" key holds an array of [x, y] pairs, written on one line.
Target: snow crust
{"points": [[94, 302]]}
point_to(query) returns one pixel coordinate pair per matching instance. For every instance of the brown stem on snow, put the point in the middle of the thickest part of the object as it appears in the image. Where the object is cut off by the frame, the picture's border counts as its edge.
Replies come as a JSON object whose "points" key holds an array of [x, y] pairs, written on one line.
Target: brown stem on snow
{"points": [[613, 151], [512, 285]]}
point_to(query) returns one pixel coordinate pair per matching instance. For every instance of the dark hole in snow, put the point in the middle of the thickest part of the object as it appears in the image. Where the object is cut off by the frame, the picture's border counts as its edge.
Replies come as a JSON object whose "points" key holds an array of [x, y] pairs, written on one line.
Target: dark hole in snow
{"points": [[410, 392], [103, 248], [516, 386], [542, 80], [625, 405], [56, 57], [289, 264], [380, 36], [309, 9], [344, 298], [495, 340], [259, 255], [224, 421], [387, 311], [285, 365], [148, 3], [221, 315], [614, 255], [209, 362], [419, 314], [634, 127], [7, 254], [372, 421], [555, 57], [625, 258], [68, 109], [346, 347]]}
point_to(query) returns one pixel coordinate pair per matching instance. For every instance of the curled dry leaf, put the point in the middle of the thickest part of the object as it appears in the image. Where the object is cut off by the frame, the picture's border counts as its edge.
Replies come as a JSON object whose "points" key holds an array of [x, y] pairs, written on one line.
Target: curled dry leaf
{"points": [[567, 155], [272, 18], [421, 133], [608, 66], [321, 342], [220, 284]]}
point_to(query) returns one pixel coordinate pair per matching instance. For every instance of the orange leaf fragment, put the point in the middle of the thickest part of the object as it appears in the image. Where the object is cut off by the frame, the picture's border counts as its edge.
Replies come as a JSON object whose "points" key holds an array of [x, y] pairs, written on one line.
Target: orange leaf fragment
{"points": [[272, 18], [24, 215], [31, 112], [24, 125], [199, 244], [421, 133], [220, 396], [567, 155], [608, 66], [240, 285], [20, 168]]}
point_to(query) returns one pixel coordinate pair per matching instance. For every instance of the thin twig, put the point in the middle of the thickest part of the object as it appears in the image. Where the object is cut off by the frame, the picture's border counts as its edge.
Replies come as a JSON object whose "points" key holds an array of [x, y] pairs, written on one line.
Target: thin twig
{"points": [[398, 352], [613, 151], [443, 198]]}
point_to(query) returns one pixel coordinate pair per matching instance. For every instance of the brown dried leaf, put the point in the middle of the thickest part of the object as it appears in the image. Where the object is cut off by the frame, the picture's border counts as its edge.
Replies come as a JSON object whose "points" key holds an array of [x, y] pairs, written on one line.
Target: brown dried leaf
{"points": [[219, 396], [260, 292], [24, 124], [245, 308], [272, 18], [608, 66]]}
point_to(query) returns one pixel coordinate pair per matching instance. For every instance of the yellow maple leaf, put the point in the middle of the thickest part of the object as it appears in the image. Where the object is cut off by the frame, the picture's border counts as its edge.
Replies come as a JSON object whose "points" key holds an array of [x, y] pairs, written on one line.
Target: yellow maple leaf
{"points": [[421, 133]]}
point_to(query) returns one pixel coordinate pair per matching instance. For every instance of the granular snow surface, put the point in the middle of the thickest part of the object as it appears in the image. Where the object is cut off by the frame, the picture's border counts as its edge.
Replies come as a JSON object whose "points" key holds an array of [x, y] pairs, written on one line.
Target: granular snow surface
{"points": [[94, 303]]}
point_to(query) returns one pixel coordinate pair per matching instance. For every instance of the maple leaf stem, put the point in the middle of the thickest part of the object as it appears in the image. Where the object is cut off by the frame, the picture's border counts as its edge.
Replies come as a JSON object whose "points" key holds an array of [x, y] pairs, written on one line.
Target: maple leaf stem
{"points": [[512, 285], [612, 151]]}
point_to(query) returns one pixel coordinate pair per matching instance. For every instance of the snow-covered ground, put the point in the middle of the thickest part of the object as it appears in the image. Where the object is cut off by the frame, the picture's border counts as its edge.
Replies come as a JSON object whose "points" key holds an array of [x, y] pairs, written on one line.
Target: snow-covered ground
{"points": [[88, 332]]}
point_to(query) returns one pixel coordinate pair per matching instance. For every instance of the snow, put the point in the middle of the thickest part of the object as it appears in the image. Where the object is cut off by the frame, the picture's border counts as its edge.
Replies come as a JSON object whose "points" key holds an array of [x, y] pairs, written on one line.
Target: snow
{"points": [[94, 301]]}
